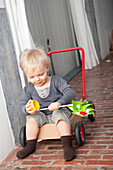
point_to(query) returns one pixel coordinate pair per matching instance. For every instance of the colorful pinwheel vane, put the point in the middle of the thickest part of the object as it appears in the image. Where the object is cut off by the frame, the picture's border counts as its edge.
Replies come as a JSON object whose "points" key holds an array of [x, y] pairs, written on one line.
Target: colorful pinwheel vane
{"points": [[82, 109]]}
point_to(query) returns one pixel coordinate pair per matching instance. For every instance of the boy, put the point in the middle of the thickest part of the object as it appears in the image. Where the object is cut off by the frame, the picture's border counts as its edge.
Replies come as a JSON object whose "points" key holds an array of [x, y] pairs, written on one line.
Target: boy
{"points": [[49, 91]]}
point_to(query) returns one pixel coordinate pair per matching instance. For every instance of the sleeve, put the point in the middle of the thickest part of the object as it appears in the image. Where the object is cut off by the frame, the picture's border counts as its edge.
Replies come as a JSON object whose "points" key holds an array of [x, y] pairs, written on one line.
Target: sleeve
{"points": [[66, 90], [25, 97]]}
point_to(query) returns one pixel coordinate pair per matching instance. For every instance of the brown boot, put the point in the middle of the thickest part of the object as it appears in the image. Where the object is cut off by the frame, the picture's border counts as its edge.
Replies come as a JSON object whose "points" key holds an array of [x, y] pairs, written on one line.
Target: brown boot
{"points": [[29, 149], [69, 153]]}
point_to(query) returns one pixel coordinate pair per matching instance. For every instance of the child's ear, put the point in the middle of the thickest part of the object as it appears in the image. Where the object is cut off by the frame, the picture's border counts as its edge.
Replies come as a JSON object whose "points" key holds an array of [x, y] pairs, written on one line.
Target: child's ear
{"points": [[47, 70]]}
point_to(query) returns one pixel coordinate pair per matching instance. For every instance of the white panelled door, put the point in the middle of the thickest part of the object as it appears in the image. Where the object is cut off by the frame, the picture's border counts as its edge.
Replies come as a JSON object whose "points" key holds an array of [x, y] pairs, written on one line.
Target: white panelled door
{"points": [[50, 19]]}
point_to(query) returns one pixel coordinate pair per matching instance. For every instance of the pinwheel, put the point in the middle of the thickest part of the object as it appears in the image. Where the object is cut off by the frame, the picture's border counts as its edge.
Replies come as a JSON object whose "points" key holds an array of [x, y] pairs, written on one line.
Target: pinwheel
{"points": [[82, 109]]}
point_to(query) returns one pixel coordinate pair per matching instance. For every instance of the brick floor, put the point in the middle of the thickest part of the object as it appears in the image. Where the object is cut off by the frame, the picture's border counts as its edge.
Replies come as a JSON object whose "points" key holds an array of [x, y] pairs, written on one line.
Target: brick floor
{"points": [[97, 152]]}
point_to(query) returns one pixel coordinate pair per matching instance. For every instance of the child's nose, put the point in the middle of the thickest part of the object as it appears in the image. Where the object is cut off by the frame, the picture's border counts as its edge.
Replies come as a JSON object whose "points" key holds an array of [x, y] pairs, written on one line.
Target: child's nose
{"points": [[37, 78]]}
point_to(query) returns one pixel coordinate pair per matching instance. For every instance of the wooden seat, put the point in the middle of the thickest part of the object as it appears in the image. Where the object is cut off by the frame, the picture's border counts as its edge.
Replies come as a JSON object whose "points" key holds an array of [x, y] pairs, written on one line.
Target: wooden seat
{"points": [[49, 131]]}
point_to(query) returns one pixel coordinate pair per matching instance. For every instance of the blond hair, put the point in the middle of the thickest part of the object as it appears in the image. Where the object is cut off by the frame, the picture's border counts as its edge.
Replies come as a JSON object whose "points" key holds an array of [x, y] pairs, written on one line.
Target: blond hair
{"points": [[32, 58]]}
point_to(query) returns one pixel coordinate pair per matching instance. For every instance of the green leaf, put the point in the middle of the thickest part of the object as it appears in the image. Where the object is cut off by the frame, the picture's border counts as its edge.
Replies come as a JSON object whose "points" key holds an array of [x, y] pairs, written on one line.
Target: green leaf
{"points": [[81, 107]]}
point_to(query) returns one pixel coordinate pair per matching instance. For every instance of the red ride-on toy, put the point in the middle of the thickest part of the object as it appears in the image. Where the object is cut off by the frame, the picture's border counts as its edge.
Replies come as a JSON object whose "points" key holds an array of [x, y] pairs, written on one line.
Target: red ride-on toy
{"points": [[49, 131]]}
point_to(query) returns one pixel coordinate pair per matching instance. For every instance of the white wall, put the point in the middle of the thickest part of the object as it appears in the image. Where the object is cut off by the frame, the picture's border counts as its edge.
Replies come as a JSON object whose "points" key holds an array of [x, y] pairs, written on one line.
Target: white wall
{"points": [[1, 3], [7, 143], [104, 19]]}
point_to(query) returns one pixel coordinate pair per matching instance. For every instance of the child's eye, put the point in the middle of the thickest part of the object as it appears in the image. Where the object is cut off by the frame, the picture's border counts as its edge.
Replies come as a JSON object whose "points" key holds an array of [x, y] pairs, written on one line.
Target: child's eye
{"points": [[31, 77], [41, 74]]}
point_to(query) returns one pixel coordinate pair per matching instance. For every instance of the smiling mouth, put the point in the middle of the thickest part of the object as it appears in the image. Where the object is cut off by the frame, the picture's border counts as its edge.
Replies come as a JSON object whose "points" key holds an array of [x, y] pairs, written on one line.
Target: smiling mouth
{"points": [[37, 82]]}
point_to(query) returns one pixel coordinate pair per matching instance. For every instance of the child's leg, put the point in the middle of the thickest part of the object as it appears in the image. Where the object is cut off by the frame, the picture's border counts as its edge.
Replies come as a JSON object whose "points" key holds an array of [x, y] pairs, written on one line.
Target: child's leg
{"points": [[32, 130], [64, 128], [66, 138], [62, 119]]}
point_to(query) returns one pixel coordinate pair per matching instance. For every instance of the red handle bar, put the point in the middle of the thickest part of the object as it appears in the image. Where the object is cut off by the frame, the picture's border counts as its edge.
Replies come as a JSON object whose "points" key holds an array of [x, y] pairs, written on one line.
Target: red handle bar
{"points": [[83, 65]]}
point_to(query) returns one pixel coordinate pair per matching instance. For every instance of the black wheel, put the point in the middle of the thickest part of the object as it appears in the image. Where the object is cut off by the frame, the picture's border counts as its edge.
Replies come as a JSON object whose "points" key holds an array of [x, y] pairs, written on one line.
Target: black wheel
{"points": [[79, 133], [22, 136], [92, 117]]}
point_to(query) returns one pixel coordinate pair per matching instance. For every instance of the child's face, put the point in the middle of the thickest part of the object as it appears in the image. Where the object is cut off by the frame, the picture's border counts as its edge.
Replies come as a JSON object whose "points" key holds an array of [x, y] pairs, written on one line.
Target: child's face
{"points": [[38, 76]]}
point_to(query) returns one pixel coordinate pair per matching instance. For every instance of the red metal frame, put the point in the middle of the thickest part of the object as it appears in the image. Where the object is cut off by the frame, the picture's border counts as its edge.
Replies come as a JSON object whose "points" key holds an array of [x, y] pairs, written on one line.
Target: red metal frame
{"points": [[83, 64]]}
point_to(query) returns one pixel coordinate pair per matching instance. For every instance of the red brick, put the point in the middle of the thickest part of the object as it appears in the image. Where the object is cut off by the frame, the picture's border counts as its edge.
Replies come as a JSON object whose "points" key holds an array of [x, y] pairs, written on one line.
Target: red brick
{"points": [[96, 130], [108, 157], [85, 157], [51, 157], [45, 152], [93, 147], [110, 147], [105, 142], [99, 162], [95, 138], [106, 168], [76, 168], [75, 161], [82, 151], [110, 129], [106, 151], [2, 166], [35, 163], [44, 168], [33, 156], [89, 142]]}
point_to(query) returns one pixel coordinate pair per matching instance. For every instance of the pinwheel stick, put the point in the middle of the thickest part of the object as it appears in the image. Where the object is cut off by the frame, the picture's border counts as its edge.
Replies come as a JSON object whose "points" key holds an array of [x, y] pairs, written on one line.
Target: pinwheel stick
{"points": [[82, 109], [59, 106]]}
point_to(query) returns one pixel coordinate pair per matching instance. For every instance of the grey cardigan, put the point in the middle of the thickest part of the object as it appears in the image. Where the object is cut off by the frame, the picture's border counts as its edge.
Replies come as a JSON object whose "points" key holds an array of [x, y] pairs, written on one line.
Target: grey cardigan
{"points": [[59, 91]]}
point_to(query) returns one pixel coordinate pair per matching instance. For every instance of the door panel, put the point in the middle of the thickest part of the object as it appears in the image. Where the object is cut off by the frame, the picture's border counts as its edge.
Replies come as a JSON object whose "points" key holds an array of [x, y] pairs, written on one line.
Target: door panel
{"points": [[49, 19]]}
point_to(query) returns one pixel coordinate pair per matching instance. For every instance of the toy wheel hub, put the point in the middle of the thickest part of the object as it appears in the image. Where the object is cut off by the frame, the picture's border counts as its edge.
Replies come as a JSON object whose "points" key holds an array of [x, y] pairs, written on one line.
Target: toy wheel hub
{"points": [[82, 133]]}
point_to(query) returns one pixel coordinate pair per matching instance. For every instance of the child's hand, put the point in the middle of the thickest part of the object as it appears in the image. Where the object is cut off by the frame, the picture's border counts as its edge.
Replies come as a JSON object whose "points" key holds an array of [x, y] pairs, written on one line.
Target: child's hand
{"points": [[29, 107], [54, 106], [81, 100]]}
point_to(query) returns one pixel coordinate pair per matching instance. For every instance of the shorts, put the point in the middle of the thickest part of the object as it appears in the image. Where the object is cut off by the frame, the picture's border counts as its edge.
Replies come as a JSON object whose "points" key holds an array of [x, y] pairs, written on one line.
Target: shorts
{"points": [[61, 114]]}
